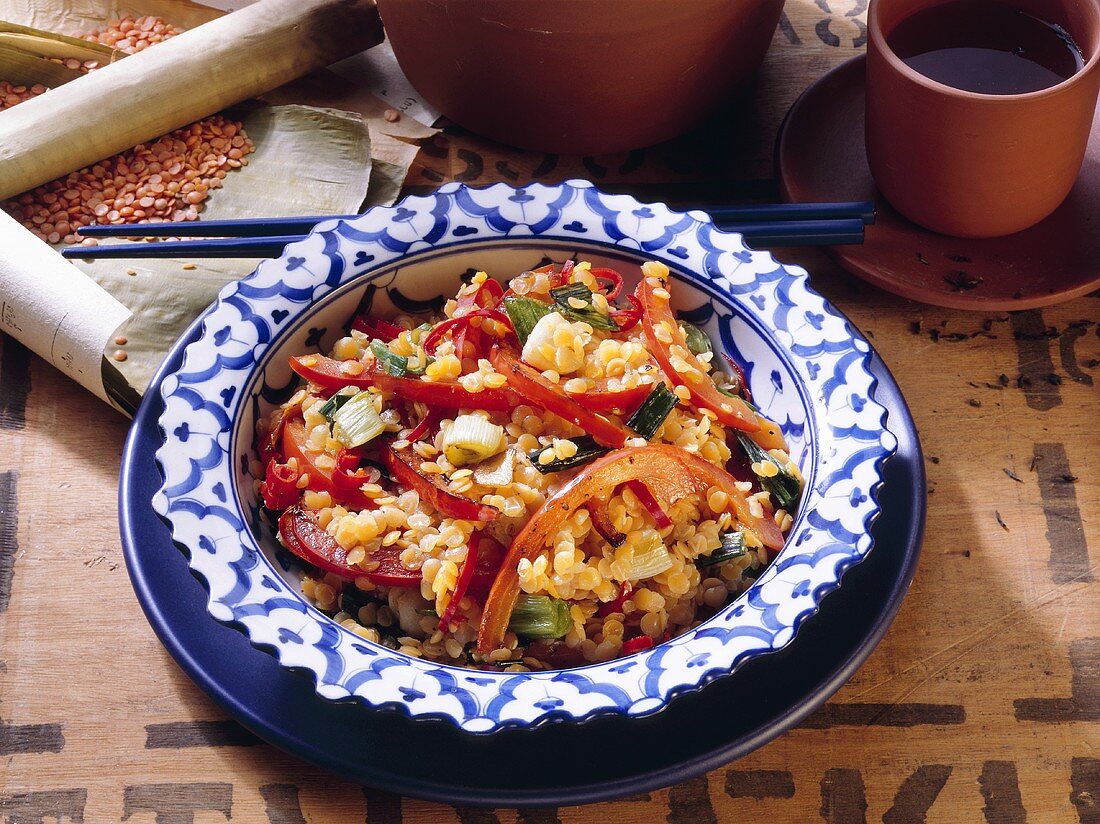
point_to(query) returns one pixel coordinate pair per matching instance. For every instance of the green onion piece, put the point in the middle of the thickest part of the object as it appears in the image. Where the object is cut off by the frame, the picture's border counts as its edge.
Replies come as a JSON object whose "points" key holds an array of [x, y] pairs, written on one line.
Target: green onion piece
{"points": [[649, 416], [357, 421], [397, 365], [587, 450], [335, 402], [587, 313], [732, 546], [784, 487], [697, 340], [651, 556], [540, 617], [354, 599], [524, 314], [472, 438], [427, 613]]}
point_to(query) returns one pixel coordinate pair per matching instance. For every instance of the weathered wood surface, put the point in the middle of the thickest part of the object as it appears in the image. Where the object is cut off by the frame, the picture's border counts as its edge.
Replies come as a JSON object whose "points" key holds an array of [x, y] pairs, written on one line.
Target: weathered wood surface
{"points": [[982, 703]]}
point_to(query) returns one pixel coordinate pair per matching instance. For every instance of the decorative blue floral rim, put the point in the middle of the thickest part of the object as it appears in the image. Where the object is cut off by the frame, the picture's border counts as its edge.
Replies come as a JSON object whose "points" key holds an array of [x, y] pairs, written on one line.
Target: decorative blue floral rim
{"points": [[843, 430]]}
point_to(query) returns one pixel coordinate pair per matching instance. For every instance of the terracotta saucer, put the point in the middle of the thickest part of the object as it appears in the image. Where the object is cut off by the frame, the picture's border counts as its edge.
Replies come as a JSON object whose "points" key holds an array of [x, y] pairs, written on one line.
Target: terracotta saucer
{"points": [[820, 156]]}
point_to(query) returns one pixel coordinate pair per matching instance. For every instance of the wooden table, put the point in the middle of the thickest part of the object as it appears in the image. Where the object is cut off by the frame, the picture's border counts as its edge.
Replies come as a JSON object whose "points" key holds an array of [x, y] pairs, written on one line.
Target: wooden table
{"points": [[982, 703]]}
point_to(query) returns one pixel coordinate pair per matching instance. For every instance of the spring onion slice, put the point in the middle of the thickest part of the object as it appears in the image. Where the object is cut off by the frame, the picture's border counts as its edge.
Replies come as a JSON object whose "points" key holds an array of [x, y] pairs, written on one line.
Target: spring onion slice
{"points": [[540, 617], [333, 404], [356, 422], [353, 599], [472, 438], [651, 557], [524, 314], [649, 416], [566, 296], [785, 488], [732, 546], [587, 450], [698, 341], [396, 365]]}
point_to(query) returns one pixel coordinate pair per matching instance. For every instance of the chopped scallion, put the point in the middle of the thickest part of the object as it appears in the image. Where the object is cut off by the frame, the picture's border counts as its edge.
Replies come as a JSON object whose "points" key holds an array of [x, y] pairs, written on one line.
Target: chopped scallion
{"points": [[472, 438], [524, 314], [397, 365], [649, 416], [333, 404], [785, 487], [574, 301], [357, 422], [353, 599], [732, 546], [651, 556], [587, 450], [540, 617]]}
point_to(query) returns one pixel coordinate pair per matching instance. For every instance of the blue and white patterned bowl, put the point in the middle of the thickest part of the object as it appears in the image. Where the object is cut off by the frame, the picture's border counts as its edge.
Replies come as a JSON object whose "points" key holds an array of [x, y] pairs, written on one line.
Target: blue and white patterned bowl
{"points": [[809, 371]]}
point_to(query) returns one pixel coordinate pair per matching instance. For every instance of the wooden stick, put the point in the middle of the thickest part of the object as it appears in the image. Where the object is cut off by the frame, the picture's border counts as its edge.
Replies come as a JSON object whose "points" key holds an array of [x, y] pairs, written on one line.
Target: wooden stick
{"points": [[191, 76]]}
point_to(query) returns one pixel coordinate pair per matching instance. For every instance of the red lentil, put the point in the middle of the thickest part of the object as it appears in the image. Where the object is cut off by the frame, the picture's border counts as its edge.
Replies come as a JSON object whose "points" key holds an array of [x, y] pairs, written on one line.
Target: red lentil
{"points": [[167, 180]]}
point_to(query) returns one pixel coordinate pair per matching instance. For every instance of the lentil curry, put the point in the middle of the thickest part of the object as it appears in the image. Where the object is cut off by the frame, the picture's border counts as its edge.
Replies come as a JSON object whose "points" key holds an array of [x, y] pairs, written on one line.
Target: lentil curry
{"points": [[548, 475]]}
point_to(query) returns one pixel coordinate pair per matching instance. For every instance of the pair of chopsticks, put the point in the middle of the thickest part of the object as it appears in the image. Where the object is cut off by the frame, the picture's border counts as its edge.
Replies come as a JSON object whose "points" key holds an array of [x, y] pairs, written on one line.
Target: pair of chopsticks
{"points": [[778, 224]]}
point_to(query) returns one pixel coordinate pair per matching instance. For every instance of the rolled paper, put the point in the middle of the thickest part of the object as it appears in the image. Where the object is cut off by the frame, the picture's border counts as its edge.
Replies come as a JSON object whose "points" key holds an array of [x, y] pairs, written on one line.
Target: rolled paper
{"points": [[184, 79], [54, 309]]}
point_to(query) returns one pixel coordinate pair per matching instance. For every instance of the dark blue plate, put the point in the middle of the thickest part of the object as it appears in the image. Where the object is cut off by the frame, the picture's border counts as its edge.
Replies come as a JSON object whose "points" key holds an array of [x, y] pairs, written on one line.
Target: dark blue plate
{"points": [[437, 761]]}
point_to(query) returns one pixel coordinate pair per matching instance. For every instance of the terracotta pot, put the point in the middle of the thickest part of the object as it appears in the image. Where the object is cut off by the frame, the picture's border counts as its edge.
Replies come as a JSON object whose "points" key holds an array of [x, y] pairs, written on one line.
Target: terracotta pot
{"points": [[578, 76], [977, 165]]}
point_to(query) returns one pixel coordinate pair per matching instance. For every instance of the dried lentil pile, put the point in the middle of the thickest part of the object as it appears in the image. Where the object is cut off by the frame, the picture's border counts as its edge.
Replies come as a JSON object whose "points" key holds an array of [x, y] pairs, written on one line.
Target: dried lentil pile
{"points": [[14, 95], [167, 180]]}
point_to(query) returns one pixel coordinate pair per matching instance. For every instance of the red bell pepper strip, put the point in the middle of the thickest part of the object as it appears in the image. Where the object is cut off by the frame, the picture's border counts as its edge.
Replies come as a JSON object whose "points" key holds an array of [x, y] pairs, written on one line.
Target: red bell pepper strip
{"points": [[326, 373], [462, 324], [652, 505], [601, 522], [742, 386], [488, 296], [656, 311], [489, 555], [376, 328], [404, 465], [270, 446], [302, 535], [348, 479], [296, 445], [280, 486], [627, 319], [769, 435], [428, 424], [611, 277], [642, 642], [670, 472], [462, 584], [551, 397], [602, 399], [611, 607]]}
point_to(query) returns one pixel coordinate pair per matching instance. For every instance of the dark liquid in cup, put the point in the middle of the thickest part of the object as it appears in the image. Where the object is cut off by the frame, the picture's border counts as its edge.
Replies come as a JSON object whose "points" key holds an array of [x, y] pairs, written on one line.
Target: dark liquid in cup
{"points": [[986, 47]]}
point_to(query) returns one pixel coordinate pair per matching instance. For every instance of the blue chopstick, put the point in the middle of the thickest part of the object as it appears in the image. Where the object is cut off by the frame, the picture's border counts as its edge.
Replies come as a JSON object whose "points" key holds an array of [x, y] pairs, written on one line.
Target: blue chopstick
{"points": [[772, 233], [864, 211], [244, 227]]}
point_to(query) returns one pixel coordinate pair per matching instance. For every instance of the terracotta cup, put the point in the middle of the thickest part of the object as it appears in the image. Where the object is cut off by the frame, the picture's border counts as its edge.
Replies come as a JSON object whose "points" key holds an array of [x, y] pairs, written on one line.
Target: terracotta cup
{"points": [[579, 76], [977, 165]]}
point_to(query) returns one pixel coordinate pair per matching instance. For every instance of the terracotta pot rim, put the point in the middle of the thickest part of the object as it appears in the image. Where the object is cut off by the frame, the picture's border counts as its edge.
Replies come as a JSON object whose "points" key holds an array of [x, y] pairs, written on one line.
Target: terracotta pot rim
{"points": [[874, 33]]}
